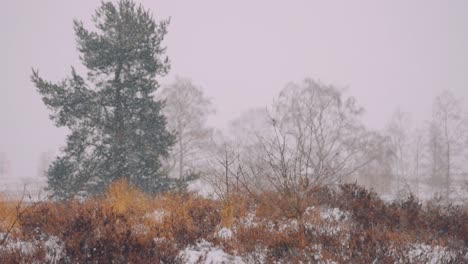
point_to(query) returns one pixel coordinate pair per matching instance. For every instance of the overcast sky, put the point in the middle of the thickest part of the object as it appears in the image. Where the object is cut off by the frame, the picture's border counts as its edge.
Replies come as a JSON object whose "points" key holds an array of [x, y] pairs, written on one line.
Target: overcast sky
{"points": [[387, 54]]}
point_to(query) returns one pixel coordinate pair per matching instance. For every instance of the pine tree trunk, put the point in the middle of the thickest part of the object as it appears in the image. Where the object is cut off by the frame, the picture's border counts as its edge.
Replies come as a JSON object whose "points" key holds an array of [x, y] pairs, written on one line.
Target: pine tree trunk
{"points": [[119, 126]]}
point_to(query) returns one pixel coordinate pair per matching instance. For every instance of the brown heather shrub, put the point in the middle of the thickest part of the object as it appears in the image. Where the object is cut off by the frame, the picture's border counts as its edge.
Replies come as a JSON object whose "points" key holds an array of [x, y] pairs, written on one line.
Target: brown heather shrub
{"points": [[91, 233], [127, 226], [451, 221], [331, 235], [270, 228], [275, 206], [367, 209], [236, 207], [271, 206], [281, 245], [188, 218], [367, 246], [248, 237]]}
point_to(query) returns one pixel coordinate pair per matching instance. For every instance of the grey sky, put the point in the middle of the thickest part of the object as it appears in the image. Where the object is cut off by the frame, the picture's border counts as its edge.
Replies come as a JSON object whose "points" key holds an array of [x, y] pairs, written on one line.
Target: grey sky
{"points": [[387, 54]]}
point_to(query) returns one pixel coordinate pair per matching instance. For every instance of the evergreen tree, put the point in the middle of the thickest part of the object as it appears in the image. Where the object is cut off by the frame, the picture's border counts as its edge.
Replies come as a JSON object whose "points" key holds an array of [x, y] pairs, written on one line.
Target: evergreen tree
{"points": [[117, 129]]}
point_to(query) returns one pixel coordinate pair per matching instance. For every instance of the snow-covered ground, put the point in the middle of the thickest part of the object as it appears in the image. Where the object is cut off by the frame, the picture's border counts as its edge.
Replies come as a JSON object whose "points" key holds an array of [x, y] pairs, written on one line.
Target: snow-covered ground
{"points": [[206, 252]]}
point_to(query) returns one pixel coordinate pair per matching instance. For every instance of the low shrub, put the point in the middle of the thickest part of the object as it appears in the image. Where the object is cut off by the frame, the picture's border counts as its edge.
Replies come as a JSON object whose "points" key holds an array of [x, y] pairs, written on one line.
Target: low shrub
{"points": [[346, 225]]}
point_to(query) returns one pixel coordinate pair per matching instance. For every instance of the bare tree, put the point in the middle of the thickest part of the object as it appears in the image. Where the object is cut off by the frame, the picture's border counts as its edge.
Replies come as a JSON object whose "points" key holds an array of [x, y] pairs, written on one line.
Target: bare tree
{"points": [[448, 134], [219, 170], [378, 174], [418, 157], [319, 132], [408, 152], [227, 158], [246, 131], [311, 136], [314, 137], [435, 158], [407, 149], [187, 110], [398, 131]]}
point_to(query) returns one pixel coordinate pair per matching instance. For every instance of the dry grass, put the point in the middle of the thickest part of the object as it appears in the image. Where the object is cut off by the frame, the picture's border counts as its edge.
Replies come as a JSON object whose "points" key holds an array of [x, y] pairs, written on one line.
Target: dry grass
{"points": [[126, 225], [8, 211], [124, 198], [235, 208]]}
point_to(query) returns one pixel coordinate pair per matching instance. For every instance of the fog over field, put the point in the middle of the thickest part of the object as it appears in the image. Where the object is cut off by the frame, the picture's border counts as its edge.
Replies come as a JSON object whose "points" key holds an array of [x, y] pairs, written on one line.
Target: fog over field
{"points": [[164, 131], [388, 55]]}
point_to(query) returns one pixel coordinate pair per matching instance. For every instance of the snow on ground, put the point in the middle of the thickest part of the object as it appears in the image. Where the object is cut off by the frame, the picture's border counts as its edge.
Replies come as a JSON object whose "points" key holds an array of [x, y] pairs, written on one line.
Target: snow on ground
{"points": [[257, 256], [225, 233], [249, 221], [333, 214], [157, 215], [24, 247], [421, 253], [53, 247], [333, 221], [55, 251], [140, 229], [205, 252]]}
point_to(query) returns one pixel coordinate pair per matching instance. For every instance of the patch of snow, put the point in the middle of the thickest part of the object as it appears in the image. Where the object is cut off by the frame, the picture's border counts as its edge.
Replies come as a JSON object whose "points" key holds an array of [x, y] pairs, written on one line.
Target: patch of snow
{"points": [[159, 240], [333, 214], [157, 215], [317, 257], [258, 255], [309, 210], [333, 222], [249, 220], [292, 224], [140, 229], [54, 249], [431, 254], [225, 233], [205, 252], [25, 248]]}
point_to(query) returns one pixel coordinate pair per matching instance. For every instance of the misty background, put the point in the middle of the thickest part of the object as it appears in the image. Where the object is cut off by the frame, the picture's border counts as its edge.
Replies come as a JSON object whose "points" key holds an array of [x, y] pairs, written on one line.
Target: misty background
{"points": [[391, 55]]}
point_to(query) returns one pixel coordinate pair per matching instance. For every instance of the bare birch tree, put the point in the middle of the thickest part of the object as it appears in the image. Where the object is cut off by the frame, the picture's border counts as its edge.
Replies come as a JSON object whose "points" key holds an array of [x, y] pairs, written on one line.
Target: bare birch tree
{"points": [[314, 137], [399, 130], [407, 148], [418, 157], [448, 132], [219, 170], [187, 110]]}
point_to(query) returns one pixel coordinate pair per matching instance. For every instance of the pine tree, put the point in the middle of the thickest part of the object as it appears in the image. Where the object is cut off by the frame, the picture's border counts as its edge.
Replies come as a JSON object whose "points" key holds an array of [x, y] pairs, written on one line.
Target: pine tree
{"points": [[116, 127]]}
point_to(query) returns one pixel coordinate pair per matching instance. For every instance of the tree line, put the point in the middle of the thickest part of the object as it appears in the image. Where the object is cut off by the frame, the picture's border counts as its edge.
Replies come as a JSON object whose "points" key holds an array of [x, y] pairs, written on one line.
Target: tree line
{"points": [[123, 126]]}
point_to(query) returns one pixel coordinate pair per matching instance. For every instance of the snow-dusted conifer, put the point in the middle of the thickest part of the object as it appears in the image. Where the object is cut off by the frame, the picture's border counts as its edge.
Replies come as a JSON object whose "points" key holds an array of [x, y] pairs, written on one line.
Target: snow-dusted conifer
{"points": [[116, 127]]}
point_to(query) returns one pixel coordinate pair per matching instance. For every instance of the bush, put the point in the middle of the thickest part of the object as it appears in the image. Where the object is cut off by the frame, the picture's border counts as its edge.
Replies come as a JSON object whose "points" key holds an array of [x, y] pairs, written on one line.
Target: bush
{"points": [[349, 224]]}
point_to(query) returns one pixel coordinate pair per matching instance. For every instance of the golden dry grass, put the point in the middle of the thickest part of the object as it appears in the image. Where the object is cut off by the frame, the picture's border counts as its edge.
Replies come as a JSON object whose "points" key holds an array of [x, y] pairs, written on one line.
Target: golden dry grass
{"points": [[122, 197], [9, 209]]}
